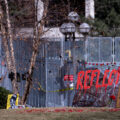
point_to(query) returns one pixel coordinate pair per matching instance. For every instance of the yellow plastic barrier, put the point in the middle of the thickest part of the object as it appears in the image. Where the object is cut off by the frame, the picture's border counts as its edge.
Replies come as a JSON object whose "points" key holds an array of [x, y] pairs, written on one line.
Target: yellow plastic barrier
{"points": [[9, 101]]}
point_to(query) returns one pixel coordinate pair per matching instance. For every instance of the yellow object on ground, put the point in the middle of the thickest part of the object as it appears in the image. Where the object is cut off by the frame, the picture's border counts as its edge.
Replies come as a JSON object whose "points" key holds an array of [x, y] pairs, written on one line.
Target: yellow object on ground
{"points": [[9, 99]]}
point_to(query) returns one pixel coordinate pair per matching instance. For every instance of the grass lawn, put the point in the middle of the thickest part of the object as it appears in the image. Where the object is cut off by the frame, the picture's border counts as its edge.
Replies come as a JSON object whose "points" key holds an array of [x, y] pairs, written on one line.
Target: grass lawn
{"points": [[61, 114]]}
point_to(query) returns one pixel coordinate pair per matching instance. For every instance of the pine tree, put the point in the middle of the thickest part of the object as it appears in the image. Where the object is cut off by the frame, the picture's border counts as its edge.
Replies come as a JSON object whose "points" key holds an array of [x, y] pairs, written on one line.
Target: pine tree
{"points": [[107, 21]]}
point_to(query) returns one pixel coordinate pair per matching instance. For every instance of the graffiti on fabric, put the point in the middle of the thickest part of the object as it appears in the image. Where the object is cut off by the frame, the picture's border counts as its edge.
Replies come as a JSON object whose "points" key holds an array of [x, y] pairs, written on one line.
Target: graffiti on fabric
{"points": [[88, 76]]}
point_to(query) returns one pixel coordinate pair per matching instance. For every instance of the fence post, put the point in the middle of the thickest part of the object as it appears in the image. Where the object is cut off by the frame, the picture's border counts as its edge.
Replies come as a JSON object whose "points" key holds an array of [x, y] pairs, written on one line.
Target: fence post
{"points": [[62, 64]]}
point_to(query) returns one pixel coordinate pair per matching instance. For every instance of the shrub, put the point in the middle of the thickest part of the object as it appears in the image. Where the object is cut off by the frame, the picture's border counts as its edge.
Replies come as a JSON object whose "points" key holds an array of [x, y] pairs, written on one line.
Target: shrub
{"points": [[3, 97]]}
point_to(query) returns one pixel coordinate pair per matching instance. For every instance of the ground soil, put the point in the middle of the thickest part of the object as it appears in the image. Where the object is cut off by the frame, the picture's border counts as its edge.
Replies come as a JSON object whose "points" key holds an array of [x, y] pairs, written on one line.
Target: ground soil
{"points": [[61, 114]]}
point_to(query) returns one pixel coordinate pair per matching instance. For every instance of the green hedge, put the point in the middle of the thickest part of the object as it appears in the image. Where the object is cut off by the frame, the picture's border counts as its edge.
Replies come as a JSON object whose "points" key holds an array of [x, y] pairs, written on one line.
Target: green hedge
{"points": [[3, 97]]}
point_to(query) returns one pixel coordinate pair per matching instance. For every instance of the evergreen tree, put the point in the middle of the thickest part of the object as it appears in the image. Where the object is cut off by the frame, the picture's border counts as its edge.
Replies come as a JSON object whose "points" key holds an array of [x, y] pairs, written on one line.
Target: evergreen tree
{"points": [[107, 21]]}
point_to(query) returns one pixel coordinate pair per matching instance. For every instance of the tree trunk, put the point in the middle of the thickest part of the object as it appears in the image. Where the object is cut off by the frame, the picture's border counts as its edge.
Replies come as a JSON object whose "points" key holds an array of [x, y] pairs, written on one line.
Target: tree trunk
{"points": [[5, 42], [14, 82], [36, 43]]}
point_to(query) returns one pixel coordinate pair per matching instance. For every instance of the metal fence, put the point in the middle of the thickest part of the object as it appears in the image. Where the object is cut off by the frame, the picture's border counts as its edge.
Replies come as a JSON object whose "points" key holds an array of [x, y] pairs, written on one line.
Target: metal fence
{"points": [[57, 58]]}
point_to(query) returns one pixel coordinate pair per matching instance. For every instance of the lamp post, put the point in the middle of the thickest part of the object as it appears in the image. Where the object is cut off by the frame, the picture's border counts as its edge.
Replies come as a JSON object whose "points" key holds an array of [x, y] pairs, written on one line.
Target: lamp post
{"points": [[69, 29]]}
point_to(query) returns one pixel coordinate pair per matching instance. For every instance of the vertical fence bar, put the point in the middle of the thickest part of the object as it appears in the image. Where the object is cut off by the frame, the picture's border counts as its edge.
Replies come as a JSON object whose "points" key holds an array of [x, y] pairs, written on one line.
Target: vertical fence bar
{"points": [[113, 49], [99, 49], [46, 77], [86, 45]]}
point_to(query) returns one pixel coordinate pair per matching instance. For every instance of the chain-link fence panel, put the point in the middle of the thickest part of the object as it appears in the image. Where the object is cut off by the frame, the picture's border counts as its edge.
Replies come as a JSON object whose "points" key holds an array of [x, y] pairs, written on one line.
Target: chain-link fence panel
{"points": [[99, 49], [57, 65], [106, 49], [93, 49]]}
